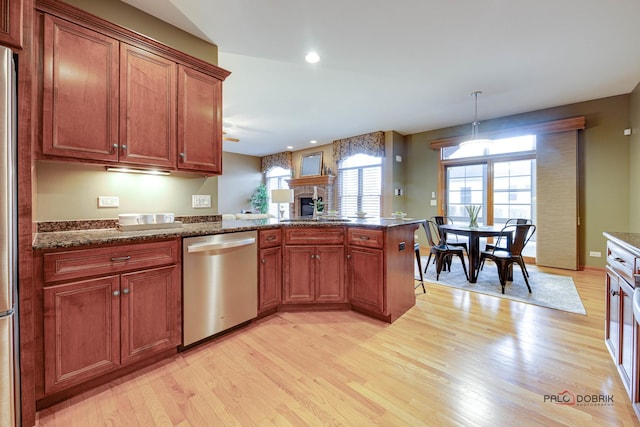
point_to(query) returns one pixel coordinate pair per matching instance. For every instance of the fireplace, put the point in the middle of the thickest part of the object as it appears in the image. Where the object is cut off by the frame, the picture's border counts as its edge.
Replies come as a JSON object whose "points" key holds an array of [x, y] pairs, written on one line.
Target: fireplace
{"points": [[304, 189], [306, 206]]}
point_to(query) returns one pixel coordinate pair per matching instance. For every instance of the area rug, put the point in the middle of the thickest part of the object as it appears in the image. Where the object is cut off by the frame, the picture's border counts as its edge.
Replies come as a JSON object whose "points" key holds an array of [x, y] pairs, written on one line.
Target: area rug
{"points": [[547, 290]]}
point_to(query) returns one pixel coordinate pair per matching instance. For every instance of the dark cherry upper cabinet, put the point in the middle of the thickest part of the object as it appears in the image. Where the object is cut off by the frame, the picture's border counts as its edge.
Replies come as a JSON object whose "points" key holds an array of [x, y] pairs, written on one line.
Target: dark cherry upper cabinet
{"points": [[113, 96], [147, 108], [199, 121], [80, 92], [11, 14]]}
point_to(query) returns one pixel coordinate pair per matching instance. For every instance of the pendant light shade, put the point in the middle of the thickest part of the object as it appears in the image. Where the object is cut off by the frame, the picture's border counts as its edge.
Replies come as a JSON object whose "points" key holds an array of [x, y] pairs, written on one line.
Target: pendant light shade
{"points": [[475, 139]]}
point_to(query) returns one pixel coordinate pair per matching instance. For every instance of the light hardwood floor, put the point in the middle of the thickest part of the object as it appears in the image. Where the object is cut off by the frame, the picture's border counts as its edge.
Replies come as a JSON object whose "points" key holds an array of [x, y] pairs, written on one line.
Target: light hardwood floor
{"points": [[456, 359]]}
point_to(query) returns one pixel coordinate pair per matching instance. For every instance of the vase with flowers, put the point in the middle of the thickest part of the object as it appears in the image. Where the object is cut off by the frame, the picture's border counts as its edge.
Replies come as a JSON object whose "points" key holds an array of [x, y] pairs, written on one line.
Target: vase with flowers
{"points": [[473, 211]]}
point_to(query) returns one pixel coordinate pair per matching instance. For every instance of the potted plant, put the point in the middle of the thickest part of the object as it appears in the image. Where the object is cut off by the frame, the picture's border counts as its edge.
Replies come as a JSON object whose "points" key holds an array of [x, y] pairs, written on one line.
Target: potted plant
{"points": [[260, 200]]}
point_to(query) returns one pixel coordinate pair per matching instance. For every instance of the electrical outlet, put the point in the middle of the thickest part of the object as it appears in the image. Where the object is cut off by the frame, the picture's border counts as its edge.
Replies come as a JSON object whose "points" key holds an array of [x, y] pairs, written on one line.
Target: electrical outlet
{"points": [[595, 254], [200, 201], [108, 201]]}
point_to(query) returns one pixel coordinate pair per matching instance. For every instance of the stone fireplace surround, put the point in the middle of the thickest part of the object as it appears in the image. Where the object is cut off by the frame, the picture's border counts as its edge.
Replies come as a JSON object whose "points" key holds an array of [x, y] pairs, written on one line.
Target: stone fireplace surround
{"points": [[303, 187]]}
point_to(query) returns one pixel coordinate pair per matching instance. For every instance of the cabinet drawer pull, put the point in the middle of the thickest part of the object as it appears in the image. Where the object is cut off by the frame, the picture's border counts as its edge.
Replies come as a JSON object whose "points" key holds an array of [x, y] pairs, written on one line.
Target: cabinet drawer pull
{"points": [[364, 237], [618, 259], [121, 258], [125, 291], [271, 238], [116, 293]]}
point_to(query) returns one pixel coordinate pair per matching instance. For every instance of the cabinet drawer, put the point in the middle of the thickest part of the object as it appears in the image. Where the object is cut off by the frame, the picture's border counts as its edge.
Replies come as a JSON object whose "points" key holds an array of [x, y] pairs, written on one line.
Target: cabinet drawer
{"points": [[622, 261], [365, 237], [91, 262], [314, 236], [269, 238]]}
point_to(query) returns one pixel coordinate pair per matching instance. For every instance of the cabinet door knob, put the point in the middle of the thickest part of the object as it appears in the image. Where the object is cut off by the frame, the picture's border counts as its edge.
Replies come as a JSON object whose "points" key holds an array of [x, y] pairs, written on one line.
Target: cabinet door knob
{"points": [[115, 147], [181, 155], [124, 147], [116, 293], [614, 293], [263, 260], [125, 291]]}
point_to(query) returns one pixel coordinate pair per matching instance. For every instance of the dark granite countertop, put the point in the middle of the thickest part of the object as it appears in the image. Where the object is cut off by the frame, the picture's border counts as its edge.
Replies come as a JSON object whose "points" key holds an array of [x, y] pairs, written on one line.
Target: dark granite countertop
{"points": [[65, 237], [629, 241]]}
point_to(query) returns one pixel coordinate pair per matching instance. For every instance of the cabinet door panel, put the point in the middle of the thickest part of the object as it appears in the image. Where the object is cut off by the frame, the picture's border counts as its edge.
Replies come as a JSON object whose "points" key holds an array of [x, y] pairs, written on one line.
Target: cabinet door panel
{"points": [[11, 23], [270, 282], [626, 335], [147, 108], [366, 273], [298, 273], [199, 121], [329, 274], [80, 92], [81, 331], [150, 305], [612, 325]]}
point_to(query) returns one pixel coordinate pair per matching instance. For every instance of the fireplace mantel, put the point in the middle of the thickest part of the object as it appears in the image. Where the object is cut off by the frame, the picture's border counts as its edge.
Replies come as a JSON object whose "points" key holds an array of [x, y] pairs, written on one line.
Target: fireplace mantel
{"points": [[311, 180]]}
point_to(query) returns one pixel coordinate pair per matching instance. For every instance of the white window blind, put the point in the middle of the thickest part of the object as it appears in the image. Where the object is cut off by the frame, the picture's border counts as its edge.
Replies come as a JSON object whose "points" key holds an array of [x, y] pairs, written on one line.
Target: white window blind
{"points": [[359, 185]]}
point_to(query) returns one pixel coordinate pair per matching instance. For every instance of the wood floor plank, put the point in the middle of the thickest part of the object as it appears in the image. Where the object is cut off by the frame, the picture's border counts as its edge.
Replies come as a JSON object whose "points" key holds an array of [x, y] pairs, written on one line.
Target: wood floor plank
{"points": [[457, 358]]}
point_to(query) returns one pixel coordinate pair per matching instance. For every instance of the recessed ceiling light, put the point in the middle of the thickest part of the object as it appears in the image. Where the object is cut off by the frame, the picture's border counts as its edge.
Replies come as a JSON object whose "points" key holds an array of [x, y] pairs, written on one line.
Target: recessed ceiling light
{"points": [[313, 141], [312, 58], [289, 147]]}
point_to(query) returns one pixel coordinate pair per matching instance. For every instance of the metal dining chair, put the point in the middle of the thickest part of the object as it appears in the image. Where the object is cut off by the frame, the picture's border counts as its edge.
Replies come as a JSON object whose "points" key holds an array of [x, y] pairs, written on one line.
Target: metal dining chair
{"points": [[510, 221], [441, 220], [504, 258], [441, 250]]}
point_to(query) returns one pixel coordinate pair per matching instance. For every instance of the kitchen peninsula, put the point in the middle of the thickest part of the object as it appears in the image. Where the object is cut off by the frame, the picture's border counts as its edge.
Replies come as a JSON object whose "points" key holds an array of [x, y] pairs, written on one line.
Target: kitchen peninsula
{"points": [[365, 265]]}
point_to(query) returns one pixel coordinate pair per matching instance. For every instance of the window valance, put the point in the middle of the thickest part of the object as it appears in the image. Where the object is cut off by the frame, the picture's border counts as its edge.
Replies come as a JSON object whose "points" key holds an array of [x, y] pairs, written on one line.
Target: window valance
{"points": [[371, 144], [283, 160], [562, 125]]}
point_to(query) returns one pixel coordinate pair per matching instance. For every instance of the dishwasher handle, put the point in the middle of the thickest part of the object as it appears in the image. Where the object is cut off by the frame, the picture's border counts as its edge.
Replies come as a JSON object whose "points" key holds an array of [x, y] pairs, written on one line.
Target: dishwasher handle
{"points": [[208, 246]]}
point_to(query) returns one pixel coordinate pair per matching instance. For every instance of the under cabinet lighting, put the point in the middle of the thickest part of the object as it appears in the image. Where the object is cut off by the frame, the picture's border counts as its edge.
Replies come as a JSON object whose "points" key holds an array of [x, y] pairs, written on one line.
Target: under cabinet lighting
{"points": [[137, 170]]}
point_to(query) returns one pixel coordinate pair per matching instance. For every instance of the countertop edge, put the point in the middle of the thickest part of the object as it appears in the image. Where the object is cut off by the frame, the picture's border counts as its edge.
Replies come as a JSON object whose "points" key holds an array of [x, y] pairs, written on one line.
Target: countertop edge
{"points": [[81, 238], [629, 241]]}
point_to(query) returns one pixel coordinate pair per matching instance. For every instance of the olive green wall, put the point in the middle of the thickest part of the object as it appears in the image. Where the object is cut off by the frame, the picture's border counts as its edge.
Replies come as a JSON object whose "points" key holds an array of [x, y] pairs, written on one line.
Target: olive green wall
{"points": [[604, 167], [634, 161], [134, 19], [69, 191], [240, 177]]}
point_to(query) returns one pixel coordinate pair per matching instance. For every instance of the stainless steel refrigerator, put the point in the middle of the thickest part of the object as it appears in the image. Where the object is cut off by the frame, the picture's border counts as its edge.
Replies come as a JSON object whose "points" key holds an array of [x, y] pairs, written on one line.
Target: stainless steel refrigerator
{"points": [[9, 369]]}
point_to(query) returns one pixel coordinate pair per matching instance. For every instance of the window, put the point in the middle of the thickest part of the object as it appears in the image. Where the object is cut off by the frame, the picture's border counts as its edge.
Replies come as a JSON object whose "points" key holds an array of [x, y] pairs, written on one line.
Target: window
{"points": [[499, 177], [360, 184], [276, 179]]}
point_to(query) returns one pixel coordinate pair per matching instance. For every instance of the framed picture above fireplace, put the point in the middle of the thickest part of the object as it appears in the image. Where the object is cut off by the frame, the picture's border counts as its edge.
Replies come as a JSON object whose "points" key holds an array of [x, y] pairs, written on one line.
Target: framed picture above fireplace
{"points": [[311, 164]]}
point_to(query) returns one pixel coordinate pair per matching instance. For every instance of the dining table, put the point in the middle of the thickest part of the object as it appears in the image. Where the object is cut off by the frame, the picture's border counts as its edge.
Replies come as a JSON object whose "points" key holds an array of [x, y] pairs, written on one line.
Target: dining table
{"points": [[474, 234]]}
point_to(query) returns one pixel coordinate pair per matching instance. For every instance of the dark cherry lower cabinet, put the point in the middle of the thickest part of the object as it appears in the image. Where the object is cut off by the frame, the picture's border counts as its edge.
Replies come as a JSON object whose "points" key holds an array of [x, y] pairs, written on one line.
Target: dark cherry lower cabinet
{"points": [[622, 332], [269, 270], [314, 265], [95, 325], [380, 270]]}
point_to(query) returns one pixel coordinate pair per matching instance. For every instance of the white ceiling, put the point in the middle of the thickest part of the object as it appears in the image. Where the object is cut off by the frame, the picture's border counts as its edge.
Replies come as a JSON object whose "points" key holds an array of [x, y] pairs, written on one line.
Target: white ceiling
{"points": [[404, 65]]}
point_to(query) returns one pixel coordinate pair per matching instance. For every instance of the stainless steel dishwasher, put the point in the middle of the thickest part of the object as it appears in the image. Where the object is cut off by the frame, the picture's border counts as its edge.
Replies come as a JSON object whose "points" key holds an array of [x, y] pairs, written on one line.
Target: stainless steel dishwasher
{"points": [[219, 282]]}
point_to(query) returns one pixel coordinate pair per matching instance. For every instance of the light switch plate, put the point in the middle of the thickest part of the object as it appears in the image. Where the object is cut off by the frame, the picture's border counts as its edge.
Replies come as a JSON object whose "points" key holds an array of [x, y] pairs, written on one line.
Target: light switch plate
{"points": [[200, 201], [108, 201], [434, 202]]}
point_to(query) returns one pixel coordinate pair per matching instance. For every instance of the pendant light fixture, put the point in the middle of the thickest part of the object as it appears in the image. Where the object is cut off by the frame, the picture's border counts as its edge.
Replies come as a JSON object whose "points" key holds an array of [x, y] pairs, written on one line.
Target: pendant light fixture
{"points": [[474, 126]]}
